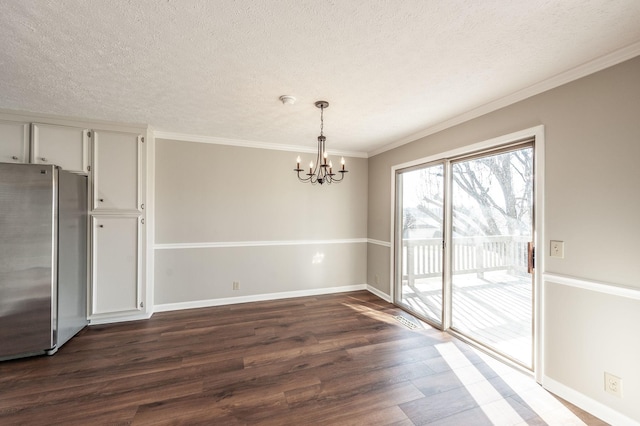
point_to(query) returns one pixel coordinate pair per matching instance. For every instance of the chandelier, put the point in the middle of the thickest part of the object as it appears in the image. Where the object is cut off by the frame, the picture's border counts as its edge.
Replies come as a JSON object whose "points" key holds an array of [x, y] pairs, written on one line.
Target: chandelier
{"points": [[322, 172]]}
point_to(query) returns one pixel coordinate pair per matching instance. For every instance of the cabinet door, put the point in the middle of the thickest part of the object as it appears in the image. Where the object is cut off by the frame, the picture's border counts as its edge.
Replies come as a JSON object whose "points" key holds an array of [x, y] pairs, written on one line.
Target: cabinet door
{"points": [[63, 146], [14, 142], [116, 168], [115, 264]]}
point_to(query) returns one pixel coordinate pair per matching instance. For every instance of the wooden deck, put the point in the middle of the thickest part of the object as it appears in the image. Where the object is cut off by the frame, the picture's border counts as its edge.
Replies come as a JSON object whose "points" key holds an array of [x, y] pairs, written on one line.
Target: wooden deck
{"points": [[494, 310]]}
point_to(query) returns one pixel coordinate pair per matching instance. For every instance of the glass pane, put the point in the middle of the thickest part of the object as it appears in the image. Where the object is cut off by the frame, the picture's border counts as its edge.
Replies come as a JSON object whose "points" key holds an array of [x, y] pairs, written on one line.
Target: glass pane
{"points": [[422, 193], [492, 294]]}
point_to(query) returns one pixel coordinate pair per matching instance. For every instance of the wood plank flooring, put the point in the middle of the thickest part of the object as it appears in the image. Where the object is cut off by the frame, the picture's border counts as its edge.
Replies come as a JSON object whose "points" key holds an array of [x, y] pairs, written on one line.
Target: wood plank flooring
{"points": [[341, 359]]}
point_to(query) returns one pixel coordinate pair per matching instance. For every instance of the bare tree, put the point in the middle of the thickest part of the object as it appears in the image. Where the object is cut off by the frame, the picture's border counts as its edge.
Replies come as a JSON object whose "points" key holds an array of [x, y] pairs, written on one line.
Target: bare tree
{"points": [[493, 194]]}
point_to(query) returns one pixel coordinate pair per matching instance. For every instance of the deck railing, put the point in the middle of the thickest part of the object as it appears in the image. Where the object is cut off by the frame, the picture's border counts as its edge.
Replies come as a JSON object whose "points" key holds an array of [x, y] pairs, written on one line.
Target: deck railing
{"points": [[422, 258]]}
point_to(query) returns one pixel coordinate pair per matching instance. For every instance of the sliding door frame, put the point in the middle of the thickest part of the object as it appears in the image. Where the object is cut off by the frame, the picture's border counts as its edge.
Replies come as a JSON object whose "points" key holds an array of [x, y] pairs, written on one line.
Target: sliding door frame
{"points": [[535, 133], [398, 242]]}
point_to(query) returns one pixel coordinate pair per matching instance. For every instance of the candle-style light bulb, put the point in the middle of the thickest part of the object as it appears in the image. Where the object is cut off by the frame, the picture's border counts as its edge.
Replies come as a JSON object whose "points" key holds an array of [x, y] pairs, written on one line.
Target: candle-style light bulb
{"points": [[298, 162], [325, 157], [311, 167], [342, 162], [330, 167]]}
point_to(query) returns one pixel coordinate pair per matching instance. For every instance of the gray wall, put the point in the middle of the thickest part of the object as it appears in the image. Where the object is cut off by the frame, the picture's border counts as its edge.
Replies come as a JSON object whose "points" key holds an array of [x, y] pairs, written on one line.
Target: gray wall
{"points": [[592, 202], [592, 133], [223, 194]]}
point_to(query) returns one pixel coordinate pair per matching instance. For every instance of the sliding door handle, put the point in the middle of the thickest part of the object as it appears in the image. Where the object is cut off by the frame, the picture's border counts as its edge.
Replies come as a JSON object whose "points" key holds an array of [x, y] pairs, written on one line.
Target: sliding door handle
{"points": [[531, 257]]}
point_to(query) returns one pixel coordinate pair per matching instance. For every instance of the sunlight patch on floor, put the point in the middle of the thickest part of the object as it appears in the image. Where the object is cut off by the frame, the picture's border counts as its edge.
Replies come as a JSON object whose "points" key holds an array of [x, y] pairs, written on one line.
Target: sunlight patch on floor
{"points": [[492, 403]]}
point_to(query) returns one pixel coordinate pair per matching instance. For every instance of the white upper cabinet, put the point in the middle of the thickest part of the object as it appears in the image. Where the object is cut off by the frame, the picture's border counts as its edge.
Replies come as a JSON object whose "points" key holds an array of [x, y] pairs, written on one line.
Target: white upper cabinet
{"points": [[63, 146], [14, 142], [116, 171]]}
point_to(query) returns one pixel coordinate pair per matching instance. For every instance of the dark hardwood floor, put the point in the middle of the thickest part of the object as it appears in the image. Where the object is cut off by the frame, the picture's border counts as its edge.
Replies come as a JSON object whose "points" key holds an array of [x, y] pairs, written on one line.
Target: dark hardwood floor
{"points": [[332, 359]]}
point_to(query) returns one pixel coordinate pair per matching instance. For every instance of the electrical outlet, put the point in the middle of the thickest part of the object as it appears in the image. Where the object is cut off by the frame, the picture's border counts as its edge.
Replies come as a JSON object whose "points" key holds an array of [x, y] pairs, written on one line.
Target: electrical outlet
{"points": [[236, 285], [557, 249], [612, 384]]}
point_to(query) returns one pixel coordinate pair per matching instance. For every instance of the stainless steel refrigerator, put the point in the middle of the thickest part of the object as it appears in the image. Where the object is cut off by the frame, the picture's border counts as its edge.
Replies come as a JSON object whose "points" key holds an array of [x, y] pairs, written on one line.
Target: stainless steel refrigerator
{"points": [[43, 258]]}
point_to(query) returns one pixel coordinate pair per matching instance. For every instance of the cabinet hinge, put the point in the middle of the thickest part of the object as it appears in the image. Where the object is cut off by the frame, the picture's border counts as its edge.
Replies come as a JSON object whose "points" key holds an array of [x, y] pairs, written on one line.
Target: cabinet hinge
{"points": [[142, 139], [88, 168], [88, 134], [142, 304]]}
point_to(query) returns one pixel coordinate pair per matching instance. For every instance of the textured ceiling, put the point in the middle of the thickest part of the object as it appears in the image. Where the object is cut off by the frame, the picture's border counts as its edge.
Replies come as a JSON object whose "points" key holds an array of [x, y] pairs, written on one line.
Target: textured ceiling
{"points": [[389, 68]]}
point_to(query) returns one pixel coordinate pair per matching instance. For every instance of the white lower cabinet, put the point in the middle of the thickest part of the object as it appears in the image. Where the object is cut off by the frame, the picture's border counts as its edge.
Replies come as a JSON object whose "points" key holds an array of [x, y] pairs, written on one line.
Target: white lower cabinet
{"points": [[116, 265]]}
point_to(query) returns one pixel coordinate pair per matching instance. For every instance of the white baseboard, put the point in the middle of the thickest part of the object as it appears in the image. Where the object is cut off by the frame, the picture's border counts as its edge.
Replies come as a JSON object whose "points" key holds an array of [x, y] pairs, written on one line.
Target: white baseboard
{"points": [[256, 298], [588, 404], [114, 319], [380, 294]]}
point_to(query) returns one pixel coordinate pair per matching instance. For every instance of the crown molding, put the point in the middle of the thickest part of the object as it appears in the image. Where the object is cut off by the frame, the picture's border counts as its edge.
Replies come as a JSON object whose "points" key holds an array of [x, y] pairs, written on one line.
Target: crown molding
{"points": [[159, 134], [565, 77], [63, 120]]}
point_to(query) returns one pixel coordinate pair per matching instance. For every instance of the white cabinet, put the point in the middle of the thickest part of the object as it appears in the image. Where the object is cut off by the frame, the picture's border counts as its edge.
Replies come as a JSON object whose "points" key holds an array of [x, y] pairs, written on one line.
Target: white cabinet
{"points": [[115, 264], [14, 142], [114, 157], [63, 146], [116, 169], [118, 231]]}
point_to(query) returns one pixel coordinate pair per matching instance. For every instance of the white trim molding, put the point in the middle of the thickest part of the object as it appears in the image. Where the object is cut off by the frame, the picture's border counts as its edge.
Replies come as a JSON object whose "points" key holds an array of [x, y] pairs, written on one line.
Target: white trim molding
{"points": [[379, 242], [111, 319], [256, 298], [159, 134], [227, 244], [594, 407], [568, 76], [379, 293], [600, 287]]}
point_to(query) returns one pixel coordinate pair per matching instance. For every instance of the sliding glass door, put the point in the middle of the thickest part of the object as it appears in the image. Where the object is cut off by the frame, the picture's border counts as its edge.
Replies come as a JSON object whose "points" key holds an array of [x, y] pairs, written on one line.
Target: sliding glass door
{"points": [[492, 226], [420, 231], [463, 233]]}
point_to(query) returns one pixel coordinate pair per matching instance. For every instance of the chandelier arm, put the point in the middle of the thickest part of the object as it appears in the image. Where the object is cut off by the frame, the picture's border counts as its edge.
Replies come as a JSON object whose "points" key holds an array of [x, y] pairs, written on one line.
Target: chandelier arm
{"points": [[301, 178]]}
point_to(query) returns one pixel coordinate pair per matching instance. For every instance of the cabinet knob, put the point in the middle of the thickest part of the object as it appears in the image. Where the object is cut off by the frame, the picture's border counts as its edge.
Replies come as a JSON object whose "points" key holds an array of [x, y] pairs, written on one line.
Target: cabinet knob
{"points": [[14, 158], [101, 200], [100, 226], [43, 159]]}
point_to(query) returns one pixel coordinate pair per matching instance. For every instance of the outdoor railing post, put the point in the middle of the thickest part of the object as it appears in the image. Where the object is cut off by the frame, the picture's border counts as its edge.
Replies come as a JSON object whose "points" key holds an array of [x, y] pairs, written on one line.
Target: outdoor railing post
{"points": [[410, 265], [479, 256]]}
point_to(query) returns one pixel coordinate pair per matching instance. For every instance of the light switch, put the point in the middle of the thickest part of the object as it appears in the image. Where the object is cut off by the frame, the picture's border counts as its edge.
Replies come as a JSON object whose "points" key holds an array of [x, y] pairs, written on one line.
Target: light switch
{"points": [[557, 249]]}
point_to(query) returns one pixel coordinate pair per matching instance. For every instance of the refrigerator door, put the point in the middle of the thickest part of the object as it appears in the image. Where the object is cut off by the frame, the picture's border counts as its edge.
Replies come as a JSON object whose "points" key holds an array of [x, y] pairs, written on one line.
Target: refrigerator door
{"points": [[27, 258], [72, 255]]}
